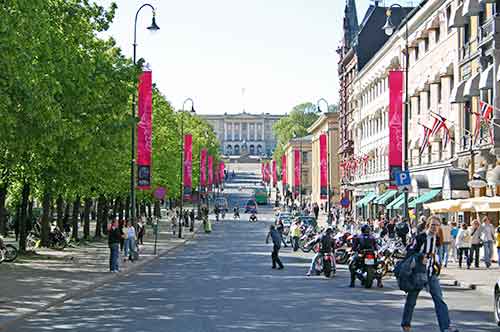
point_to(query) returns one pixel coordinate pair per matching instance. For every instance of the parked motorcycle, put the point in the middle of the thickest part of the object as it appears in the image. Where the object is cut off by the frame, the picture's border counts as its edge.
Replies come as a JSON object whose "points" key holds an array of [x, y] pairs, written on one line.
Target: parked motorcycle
{"points": [[324, 264], [343, 247]]}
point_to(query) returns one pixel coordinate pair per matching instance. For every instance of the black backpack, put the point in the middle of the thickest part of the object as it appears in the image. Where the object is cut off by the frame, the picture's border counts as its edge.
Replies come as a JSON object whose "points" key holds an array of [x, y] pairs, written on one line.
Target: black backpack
{"points": [[402, 229], [410, 273]]}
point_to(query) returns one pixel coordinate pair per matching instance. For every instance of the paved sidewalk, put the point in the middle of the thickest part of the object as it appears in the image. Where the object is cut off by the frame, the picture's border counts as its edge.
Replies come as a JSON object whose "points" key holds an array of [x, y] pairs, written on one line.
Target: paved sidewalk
{"points": [[482, 279], [34, 283]]}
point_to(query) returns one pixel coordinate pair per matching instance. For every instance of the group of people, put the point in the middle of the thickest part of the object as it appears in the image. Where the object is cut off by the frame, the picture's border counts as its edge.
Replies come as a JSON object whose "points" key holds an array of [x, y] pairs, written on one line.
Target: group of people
{"points": [[123, 237]]}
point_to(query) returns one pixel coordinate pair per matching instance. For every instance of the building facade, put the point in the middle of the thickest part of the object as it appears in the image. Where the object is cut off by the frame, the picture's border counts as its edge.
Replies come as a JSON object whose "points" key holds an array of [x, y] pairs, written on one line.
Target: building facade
{"points": [[303, 145], [327, 123], [244, 133]]}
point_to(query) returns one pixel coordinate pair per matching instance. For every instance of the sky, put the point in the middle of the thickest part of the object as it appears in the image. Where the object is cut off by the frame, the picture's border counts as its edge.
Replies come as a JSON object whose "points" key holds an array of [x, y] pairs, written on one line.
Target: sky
{"points": [[264, 56]]}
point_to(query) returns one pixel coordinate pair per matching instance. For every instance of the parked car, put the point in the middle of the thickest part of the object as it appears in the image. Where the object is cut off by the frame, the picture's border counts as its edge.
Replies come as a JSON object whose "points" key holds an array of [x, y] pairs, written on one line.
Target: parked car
{"points": [[251, 206], [496, 302]]}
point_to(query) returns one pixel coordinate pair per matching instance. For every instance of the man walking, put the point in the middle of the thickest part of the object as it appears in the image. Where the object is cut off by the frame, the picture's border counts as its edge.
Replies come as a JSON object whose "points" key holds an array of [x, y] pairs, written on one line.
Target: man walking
{"points": [[114, 237], [276, 238], [487, 235]]}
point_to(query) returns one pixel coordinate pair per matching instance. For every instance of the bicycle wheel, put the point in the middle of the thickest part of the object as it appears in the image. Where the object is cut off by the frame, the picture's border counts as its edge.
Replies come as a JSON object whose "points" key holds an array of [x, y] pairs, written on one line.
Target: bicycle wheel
{"points": [[10, 253]]}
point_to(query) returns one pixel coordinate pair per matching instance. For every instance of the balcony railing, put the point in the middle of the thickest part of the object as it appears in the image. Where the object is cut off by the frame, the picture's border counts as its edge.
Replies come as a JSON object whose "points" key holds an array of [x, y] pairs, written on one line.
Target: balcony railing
{"points": [[486, 31]]}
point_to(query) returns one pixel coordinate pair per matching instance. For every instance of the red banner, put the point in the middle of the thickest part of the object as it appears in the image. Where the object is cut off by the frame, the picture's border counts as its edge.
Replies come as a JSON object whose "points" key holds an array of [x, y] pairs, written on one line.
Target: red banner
{"points": [[283, 172], [275, 174], [144, 131], [222, 167], [323, 166], [203, 169], [297, 173], [395, 123], [210, 172], [188, 166]]}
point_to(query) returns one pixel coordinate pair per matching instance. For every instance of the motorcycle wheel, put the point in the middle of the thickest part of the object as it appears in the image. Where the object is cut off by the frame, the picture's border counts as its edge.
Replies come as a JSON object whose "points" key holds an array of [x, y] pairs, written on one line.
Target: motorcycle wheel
{"points": [[341, 256], [2, 256], [10, 253], [60, 245], [370, 273], [327, 268]]}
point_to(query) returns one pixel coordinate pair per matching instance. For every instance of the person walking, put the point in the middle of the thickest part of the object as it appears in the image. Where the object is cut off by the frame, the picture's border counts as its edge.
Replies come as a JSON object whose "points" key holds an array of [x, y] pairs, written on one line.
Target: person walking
{"points": [[114, 237], [295, 232], [191, 220], [427, 243], [316, 210], [281, 229], [141, 230], [487, 236], [475, 233], [454, 234], [463, 244], [129, 242], [445, 245], [276, 238]]}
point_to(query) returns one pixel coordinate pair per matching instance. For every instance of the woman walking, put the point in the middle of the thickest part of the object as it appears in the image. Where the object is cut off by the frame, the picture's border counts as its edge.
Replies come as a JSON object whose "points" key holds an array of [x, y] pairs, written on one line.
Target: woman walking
{"points": [[463, 245], [129, 242]]}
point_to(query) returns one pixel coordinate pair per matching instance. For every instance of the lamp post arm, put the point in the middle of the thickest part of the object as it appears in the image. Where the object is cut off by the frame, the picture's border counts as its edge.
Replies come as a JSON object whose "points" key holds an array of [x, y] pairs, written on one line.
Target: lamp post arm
{"points": [[135, 22]]}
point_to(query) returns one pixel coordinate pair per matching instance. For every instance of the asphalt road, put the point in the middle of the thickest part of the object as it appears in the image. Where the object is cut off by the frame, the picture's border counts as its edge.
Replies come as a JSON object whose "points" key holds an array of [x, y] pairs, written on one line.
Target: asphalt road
{"points": [[223, 281]]}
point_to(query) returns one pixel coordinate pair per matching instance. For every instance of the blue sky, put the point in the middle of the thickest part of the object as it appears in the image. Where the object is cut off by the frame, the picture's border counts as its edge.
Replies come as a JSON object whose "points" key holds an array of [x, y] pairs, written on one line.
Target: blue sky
{"points": [[281, 52]]}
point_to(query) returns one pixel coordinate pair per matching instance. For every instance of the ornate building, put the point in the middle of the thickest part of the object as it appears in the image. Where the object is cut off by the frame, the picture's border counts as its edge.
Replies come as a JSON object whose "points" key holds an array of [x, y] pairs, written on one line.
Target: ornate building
{"points": [[244, 133]]}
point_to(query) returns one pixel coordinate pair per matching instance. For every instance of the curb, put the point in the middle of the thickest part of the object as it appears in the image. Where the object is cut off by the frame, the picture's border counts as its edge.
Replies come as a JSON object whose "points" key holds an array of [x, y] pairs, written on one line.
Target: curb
{"points": [[458, 283], [99, 283]]}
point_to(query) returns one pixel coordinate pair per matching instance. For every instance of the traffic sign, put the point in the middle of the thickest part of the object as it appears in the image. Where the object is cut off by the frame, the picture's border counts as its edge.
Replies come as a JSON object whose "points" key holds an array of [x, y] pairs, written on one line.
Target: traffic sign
{"points": [[403, 178]]}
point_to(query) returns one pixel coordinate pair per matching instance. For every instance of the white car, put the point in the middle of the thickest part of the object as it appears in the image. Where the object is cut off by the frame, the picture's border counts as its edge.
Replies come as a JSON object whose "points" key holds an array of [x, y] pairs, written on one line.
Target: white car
{"points": [[496, 297]]}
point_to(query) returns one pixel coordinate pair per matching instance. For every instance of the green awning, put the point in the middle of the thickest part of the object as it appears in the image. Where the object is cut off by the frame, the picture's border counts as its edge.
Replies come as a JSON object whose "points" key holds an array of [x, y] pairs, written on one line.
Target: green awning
{"points": [[424, 198], [385, 197], [367, 199], [390, 206]]}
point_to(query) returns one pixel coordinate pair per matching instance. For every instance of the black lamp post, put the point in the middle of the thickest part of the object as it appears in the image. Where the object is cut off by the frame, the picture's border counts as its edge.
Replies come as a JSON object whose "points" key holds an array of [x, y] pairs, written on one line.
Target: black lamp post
{"points": [[328, 157], [181, 183], [153, 27], [389, 29]]}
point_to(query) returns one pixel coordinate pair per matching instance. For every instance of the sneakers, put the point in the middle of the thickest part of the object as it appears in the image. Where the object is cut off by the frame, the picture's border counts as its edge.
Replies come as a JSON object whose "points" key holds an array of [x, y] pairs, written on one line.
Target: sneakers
{"points": [[281, 268], [451, 329], [405, 328]]}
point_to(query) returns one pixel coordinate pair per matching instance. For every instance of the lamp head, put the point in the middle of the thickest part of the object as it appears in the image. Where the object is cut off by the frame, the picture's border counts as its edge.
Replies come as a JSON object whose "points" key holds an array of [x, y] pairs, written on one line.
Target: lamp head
{"points": [[478, 179], [192, 110], [153, 27], [388, 26]]}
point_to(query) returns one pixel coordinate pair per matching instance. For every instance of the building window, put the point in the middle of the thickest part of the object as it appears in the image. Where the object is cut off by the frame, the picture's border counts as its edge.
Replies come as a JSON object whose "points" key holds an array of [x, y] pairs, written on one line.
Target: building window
{"points": [[448, 18], [437, 35], [426, 44], [429, 99], [416, 53], [439, 93], [467, 119], [418, 105]]}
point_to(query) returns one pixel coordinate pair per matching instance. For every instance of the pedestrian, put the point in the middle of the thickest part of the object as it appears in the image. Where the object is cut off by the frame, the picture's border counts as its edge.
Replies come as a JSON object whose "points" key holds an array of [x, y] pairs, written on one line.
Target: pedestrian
{"points": [[446, 240], [498, 245], [454, 234], [463, 245], [114, 237], [141, 231], [316, 210], [487, 236], [276, 238], [129, 242], [281, 228], [475, 233], [173, 223], [295, 232], [427, 243], [191, 220]]}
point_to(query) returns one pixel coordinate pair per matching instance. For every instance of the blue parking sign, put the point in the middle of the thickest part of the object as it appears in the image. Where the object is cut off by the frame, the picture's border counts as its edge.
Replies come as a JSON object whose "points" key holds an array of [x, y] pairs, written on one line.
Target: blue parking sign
{"points": [[403, 178]]}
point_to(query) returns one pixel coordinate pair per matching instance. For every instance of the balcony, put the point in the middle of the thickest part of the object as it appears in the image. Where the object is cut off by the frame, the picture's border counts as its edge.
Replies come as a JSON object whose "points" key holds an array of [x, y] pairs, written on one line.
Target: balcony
{"points": [[465, 51], [486, 33]]}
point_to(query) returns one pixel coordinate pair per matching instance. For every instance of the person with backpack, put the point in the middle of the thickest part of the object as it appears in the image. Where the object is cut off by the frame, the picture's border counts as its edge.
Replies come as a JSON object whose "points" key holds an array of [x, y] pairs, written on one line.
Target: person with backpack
{"points": [[423, 250]]}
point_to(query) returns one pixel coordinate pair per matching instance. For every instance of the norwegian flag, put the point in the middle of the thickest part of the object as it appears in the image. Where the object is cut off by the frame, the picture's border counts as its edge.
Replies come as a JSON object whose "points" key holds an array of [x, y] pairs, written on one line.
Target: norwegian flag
{"points": [[477, 126], [446, 136], [486, 110], [439, 122], [425, 139]]}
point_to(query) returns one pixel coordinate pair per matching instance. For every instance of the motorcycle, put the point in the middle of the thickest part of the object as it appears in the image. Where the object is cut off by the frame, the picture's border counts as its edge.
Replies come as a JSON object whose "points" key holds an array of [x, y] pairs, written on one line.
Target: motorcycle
{"points": [[366, 269], [324, 265], [343, 246], [8, 253], [306, 238]]}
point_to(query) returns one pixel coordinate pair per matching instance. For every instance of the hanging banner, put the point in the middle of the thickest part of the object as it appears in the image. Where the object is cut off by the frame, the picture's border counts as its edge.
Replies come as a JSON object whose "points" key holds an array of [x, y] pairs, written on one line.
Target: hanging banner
{"points": [[296, 176], [283, 172], [395, 124], [144, 131], [323, 167], [263, 172], [210, 172], [203, 169], [188, 166], [275, 174], [222, 167], [268, 172]]}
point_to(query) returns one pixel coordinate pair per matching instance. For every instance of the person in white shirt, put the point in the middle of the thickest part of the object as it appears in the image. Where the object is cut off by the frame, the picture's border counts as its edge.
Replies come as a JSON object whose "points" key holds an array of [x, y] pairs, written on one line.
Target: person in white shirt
{"points": [[129, 233], [445, 244], [463, 243], [487, 236]]}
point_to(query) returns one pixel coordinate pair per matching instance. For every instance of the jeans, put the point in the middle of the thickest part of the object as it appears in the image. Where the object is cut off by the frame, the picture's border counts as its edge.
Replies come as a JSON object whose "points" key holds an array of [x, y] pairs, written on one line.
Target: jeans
{"points": [[443, 253], [488, 252], [461, 253], [129, 246], [275, 258], [498, 255], [295, 243], [474, 254], [114, 253], [440, 306]]}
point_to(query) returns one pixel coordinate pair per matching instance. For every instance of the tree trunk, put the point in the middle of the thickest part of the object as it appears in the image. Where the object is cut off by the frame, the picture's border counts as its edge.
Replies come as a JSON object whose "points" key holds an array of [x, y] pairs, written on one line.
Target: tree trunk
{"points": [[45, 226], [105, 216], [3, 211], [127, 208], [116, 207], [66, 218], [149, 210], [86, 218], [93, 210], [23, 216], [30, 219], [17, 221], [120, 209], [100, 212], [60, 211], [157, 209], [74, 221]]}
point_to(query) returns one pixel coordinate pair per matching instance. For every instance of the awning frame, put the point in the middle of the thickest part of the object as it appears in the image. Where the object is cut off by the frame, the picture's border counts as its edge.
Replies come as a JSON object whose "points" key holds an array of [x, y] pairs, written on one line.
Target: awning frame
{"points": [[457, 94], [486, 81], [471, 88]]}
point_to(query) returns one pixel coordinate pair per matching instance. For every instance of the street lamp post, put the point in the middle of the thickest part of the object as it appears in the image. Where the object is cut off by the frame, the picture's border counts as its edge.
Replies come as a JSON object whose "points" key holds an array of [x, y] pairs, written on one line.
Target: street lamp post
{"points": [[181, 184], [328, 157], [389, 29], [153, 27]]}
